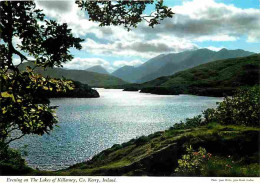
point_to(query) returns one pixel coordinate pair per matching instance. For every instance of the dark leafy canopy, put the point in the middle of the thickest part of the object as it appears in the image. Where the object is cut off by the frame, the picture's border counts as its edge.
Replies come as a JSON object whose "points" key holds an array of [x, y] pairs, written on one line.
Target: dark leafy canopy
{"points": [[48, 42], [126, 13]]}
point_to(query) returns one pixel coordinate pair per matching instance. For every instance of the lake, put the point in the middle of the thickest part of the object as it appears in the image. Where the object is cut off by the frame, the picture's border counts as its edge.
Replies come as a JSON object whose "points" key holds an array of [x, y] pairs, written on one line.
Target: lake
{"points": [[89, 125]]}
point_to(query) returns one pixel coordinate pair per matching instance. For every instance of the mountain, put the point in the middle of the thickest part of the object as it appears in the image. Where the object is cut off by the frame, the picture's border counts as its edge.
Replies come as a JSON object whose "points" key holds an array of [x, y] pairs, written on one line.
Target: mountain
{"points": [[91, 78], [168, 64], [127, 73], [98, 69], [212, 79]]}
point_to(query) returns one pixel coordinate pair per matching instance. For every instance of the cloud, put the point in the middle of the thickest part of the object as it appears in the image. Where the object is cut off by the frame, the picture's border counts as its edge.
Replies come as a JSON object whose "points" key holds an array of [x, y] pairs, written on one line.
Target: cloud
{"points": [[217, 38], [58, 6], [68, 12], [146, 49], [195, 22], [199, 20], [213, 48], [16, 61]]}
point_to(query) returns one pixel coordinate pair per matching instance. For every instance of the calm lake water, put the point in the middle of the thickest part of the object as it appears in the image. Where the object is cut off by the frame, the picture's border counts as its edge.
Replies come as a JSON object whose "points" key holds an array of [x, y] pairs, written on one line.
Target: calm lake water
{"points": [[88, 126]]}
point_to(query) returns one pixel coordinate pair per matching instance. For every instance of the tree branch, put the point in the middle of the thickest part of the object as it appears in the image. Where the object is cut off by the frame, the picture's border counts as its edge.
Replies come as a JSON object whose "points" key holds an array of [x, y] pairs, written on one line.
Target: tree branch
{"points": [[14, 139], [15, 128]]}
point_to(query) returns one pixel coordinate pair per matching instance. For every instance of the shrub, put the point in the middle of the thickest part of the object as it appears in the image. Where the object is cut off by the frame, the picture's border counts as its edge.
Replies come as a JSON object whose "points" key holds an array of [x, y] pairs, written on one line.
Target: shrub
{"points": [[193, 162], [116, 147], [194, 122], [209, 116], [141, 140], [11, 162], [241, 109]]}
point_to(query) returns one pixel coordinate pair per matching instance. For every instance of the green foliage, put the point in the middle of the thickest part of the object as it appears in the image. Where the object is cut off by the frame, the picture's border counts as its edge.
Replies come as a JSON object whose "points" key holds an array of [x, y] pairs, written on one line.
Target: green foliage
{"points": [[193, 162], [241, 109], [20, 93], [194, 122], [141, 140], [126, 13], [22, 108], [45, 40], [11, 162], [227, 166], [201, 163], [209, 116]]}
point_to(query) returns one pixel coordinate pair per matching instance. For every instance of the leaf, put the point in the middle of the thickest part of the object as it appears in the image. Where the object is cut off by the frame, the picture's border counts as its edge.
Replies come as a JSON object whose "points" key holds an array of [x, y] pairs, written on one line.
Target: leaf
{"points": [[45, 88], [29, 69], [4, 110], [6, 95]]}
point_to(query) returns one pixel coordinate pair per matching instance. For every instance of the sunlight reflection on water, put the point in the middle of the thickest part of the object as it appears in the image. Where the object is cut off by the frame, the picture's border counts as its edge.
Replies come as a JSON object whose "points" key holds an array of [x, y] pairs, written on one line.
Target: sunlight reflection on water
{"points": [[88, 126]]}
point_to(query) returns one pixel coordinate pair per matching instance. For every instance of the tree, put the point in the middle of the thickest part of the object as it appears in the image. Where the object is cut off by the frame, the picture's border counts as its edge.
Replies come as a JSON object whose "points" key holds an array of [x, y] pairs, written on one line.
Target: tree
{"points": [[21, 108], [48, 42], [126, 13]]}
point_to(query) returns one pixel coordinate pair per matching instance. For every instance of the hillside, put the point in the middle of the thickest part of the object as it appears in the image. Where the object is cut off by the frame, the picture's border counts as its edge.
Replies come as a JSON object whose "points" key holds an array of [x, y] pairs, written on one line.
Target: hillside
{"points": [[98, 69], [213, 79], [168, 64], [127, 73], [91, 78]]}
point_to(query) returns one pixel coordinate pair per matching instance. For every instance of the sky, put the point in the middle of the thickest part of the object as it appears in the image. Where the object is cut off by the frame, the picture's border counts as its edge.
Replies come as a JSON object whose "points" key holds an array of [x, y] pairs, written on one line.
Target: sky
{"points": [[212, 24]]}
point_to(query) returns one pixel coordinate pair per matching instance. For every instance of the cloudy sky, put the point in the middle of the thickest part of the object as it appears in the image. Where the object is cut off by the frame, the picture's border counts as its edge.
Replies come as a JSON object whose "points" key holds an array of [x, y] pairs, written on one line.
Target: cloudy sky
{"points": [[212, 24]]}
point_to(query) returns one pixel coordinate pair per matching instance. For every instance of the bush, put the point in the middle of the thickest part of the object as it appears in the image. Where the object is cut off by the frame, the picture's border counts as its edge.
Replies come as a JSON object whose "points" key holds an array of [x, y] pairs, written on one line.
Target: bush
{"points": [[116, 147], [194, 122], [193, 162], [241, 109], [141, 140], [11, 162]]}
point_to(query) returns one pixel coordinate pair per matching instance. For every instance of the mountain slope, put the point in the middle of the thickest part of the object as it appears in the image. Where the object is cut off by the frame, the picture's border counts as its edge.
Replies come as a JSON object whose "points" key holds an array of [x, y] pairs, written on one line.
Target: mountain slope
{"points": [[181, 61], [98, 69], [168, 64], [127, 73], [91, 78], [214, 78]]}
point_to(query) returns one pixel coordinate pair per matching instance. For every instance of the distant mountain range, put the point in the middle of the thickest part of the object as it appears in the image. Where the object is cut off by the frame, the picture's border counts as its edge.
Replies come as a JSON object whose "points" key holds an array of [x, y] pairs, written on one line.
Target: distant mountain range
{"points": [[168, 64], [93, 79], [98, 69], [162, 65], [211, 79]]}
